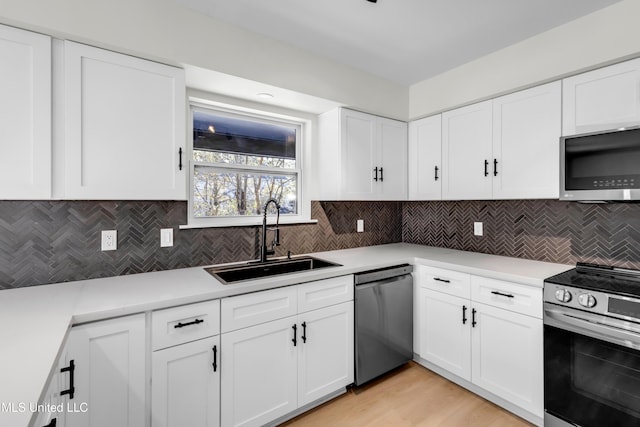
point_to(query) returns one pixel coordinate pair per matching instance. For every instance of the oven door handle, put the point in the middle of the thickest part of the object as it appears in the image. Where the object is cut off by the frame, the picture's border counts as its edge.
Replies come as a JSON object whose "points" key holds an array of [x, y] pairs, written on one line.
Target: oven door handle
{"points": [[618, 332]]}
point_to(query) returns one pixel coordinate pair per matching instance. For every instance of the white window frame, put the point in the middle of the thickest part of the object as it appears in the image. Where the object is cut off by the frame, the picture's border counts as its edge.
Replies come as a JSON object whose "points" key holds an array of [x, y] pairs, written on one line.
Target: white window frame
{"points": [[303, 135]]}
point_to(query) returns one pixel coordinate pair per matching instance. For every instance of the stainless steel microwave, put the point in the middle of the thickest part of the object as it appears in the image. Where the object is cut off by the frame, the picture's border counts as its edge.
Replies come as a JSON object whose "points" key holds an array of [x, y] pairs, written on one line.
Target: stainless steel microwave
{"points": [[601, 166]]}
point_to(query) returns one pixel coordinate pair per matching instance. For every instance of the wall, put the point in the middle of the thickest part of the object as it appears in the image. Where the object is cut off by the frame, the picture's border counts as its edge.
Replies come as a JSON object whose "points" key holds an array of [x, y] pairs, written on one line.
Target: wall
{"points": [[603, 37], [50, 242], [545, 230], [164, 31]]}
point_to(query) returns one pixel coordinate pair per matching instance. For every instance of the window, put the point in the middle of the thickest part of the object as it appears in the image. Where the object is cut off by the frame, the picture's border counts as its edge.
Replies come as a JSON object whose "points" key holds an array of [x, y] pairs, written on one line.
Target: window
{"points": [[241, 160]]}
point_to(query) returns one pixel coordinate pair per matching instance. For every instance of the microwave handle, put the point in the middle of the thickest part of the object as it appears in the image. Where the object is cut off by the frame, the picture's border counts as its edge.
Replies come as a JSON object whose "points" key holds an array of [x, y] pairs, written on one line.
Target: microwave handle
{"points": [[590, 325]]}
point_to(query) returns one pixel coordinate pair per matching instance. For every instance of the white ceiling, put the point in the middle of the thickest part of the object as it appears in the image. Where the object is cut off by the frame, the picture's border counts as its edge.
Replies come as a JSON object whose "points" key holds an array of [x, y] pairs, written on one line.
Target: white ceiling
{"points": [[405, 41]]}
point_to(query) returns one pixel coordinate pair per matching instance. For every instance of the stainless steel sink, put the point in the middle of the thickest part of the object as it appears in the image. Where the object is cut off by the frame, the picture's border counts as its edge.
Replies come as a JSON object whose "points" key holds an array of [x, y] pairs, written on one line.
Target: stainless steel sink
{"points": [[234, 274]]}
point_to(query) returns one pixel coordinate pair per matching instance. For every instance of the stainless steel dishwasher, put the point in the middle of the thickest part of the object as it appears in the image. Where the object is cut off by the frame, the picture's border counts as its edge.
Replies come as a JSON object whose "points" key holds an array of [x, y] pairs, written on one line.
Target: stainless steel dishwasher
{"points": [[383, 321]]}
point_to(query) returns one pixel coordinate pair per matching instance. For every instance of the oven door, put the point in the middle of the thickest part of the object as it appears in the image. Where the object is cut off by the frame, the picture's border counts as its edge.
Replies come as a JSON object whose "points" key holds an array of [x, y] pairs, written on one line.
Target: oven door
{"points": [[591, 369]]}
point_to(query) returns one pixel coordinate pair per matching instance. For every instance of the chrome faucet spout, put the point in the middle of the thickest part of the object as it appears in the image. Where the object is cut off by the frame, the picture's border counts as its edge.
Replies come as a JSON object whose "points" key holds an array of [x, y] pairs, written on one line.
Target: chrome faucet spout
{"points": [[276, 241]]}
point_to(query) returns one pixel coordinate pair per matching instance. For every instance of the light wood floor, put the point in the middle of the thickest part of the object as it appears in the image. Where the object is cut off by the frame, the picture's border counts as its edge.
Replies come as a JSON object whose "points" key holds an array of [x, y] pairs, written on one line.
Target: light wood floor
{"points": [[409, 396]]}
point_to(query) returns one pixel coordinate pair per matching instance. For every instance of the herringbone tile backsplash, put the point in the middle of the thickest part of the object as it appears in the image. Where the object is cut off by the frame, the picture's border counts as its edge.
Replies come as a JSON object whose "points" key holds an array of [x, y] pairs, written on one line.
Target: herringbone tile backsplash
{"points": [[49, 242], [545, 230]]}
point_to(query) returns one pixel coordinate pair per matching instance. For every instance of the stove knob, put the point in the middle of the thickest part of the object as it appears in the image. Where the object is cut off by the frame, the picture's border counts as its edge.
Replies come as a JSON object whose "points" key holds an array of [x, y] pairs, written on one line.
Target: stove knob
{"points": [[563, 295], [587, 300]]}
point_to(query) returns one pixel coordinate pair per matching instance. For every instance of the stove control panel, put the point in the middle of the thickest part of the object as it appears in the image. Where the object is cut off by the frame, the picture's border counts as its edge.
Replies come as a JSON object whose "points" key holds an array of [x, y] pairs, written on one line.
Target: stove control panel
{"points": [[563, 295], [604, 303]]}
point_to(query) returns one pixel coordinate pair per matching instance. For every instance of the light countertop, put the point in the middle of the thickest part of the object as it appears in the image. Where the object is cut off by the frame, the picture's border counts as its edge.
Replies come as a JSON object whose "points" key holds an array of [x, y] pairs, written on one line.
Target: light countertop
{"points": [[34, 321]]}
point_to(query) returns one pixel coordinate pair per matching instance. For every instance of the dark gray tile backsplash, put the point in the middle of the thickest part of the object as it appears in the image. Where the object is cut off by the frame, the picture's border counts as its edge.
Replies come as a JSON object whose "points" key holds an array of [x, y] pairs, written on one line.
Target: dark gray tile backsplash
{"points": [[49, 242], [57, 241]]}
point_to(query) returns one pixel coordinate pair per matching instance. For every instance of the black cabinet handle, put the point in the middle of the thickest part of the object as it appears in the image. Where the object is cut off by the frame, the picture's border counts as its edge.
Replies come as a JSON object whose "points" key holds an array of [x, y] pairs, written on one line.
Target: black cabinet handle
{"points": [[215, 358], [381, 174], [436, 177], [486, 166], [180, 158], [182, 325], [495, 167], [464, 314], [71, 369], [295, 335], [502, 294], [441, 280], [304, 332], [375, 178], [53, 423], [473, 318]]}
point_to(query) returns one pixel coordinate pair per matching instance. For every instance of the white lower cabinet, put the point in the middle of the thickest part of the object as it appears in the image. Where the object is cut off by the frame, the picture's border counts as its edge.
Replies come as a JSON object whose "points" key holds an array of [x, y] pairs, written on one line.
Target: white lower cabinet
{"points": [[507, 356], [108, 373], [490, 344], [272, 368], [258, 374], [186, 385]]}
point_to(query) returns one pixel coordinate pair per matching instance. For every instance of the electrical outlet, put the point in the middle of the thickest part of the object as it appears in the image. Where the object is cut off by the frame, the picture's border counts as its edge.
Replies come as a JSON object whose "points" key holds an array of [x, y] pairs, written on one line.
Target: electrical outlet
{"points": [[360, 225], [477, 229], [109, 240], [166, 237]]}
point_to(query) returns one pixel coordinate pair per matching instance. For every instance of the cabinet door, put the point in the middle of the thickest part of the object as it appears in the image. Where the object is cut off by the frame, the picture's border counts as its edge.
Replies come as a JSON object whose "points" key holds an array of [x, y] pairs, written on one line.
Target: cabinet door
{"points": [[526, 133], [186, 385], [507, 356], [109, 358], [445, 327], [466, 152], [25, 114], [326, 351], [425, 163], [607, 98], [392, 159], [358, 141], [259, 373], [125, 125]]}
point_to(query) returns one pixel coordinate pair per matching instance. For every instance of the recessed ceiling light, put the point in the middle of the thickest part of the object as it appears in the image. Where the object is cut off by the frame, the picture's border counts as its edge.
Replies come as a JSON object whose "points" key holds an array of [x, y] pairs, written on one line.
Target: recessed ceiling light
{"points": [[265, 95]]}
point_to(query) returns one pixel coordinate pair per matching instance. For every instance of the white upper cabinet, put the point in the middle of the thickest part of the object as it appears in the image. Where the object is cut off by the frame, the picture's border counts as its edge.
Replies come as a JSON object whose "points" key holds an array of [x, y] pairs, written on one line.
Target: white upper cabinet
{"points": [[425, 162], [606, 98], [25, 114], [526, 134], [360, 157], [124, 127], [466, 152]]}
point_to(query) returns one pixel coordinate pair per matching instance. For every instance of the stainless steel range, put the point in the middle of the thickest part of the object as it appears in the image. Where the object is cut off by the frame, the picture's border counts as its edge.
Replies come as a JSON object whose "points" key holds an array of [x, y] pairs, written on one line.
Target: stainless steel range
{"points": [[592, 347]]}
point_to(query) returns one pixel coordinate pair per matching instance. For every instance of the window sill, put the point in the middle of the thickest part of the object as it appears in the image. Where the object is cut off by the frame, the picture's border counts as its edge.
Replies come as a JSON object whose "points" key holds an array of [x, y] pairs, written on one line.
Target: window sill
{"points": [[245, 222]]}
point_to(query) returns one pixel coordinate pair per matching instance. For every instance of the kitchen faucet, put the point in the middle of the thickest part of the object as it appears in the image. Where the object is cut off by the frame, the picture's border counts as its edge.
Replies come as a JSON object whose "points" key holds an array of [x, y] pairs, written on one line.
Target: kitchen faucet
{"points": [[276, 236]]}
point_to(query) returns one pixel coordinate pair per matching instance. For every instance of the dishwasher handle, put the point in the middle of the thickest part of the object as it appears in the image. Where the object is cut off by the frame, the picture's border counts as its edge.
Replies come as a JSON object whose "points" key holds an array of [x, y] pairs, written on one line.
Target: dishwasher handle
{"points": [[381, 274]]}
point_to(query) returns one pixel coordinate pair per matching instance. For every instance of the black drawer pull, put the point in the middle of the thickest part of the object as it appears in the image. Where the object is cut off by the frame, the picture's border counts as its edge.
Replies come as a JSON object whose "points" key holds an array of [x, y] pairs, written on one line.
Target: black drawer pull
{"points": [[294, 340], [502, 294], [71, 369], [215, 358], [436, 177], [473, 318], [441, 280], [464, 314], [182, 325], [486, 166], [180, 158], [376, 176], [381, 174], [495, 167]]}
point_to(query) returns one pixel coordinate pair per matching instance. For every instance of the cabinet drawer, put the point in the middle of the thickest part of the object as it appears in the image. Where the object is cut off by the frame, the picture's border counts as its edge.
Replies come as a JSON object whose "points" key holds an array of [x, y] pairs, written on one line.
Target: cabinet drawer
{"points": [[259, 307], [510, 296], [447, 281], [323, 293], [177, 325]]}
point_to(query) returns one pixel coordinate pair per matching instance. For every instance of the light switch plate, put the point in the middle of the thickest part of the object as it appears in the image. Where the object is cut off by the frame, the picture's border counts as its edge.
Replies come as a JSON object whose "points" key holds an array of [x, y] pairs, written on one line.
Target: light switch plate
{"points": [[109, 240], [166, 237], [360, 225], [477, 229]]}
